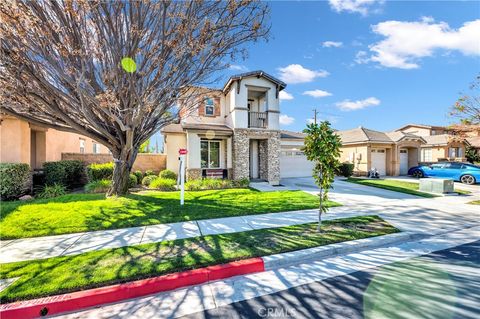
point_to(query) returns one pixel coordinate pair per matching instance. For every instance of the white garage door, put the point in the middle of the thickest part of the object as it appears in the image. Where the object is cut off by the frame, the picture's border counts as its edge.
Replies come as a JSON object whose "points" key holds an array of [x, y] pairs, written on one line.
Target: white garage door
{"points": [[403, 162], [379, 160], [294, 164]]}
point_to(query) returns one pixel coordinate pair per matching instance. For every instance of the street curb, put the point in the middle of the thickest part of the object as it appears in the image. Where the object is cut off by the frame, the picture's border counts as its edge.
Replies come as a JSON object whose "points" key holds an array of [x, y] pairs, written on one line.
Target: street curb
{"points": [[36, 308], [301, 256]]}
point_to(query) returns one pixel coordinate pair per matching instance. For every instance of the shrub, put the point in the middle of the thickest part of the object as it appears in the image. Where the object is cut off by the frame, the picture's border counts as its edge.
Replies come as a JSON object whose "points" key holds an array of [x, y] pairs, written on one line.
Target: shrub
{"points": [[242, 183], [149, 172], [15, 180], [96, 172], [193, 185], [100, 186], [139, 176], [133, 181], [345, 169], [50, 191], [148, 179], [168, 174], [69, 173], [163, 184]]}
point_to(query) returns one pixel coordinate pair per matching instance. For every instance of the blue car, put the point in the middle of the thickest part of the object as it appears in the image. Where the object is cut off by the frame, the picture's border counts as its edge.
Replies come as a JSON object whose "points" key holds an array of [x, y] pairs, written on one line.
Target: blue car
{"points": [[464, 172]]}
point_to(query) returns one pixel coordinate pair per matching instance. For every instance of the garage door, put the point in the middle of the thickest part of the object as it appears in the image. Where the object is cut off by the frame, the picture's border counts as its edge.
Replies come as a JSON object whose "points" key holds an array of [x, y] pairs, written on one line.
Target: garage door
{"points": [[379, 161], [403, 162], [294, 164]]}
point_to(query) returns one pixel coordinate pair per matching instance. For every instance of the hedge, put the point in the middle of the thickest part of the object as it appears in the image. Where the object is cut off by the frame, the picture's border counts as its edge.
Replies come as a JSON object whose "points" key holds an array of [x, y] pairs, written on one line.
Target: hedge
{"points": [[97, 172], [69, 173], [345, 169], [167, 174], [15, 180]]}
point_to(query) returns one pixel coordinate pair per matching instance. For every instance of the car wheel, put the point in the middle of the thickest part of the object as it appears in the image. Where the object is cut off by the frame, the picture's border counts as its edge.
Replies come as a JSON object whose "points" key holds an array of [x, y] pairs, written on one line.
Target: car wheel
{"points": [[467, 179], [417, 173]]}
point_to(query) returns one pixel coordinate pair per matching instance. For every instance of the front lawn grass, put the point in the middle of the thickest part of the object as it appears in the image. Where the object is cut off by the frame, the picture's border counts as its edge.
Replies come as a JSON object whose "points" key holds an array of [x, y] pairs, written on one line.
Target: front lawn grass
{"points": [[392, 185], [99, 268], [88, 212]]}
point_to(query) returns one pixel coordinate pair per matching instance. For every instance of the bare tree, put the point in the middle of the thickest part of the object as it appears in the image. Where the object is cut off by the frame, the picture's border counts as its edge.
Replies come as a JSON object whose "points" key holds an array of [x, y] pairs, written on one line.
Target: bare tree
{"points": [[467, 107], [114, 70]]}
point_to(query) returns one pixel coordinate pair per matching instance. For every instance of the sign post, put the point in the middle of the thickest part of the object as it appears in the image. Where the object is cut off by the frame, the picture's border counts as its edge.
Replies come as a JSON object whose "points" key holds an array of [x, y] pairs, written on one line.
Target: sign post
{"points": [[182, 154]]}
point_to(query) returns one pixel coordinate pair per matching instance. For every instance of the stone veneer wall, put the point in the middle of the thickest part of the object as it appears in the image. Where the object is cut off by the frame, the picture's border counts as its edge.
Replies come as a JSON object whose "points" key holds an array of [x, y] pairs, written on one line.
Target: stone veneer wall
{"points": [[269, 147], [194, 173]]}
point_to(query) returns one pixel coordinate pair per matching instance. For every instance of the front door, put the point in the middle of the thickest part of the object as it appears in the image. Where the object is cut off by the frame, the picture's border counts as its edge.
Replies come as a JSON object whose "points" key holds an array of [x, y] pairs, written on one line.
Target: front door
{"points": [[254, 159]]}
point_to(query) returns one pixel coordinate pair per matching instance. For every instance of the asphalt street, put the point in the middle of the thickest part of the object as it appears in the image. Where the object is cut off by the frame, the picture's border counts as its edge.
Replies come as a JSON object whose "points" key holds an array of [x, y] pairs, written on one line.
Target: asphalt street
{"points": [[444, 284]]}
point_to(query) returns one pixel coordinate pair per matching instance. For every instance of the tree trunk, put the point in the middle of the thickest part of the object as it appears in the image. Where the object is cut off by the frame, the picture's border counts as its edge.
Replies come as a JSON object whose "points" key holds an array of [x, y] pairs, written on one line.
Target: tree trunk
{"points": [[320, 210], [121, 172]]}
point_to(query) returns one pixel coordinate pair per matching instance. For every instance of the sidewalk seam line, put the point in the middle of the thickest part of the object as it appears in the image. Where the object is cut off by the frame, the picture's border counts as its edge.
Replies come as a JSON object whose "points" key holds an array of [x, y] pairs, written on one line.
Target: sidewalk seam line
{"points": [[63, 252], [143, 234], [199, 229]]}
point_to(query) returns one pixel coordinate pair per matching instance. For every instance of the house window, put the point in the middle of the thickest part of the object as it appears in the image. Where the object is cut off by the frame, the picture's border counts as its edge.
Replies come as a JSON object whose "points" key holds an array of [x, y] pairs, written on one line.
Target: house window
{"points": [[96, 148], [426, 155], [210, 154], [455, 152], [82, 146], [209, 107]]}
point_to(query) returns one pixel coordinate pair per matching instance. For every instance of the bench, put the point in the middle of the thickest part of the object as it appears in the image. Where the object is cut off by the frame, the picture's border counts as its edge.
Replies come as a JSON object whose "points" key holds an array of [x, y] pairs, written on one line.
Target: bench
{"points": [[214, 173]]}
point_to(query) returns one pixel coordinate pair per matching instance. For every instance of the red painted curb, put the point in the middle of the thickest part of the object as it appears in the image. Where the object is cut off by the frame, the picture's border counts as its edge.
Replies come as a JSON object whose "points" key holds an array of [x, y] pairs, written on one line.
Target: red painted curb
{"points": [[30, 309]]}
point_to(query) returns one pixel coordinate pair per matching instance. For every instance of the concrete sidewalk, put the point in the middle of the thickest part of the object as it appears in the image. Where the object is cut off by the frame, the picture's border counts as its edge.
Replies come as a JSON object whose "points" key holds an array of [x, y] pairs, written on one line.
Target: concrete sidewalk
{"points": [[193, 299], [77, 243]]}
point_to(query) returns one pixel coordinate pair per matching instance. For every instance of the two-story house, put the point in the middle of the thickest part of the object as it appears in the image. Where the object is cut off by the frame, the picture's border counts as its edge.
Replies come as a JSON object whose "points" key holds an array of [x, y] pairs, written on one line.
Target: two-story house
{"points": [[233, 132]]}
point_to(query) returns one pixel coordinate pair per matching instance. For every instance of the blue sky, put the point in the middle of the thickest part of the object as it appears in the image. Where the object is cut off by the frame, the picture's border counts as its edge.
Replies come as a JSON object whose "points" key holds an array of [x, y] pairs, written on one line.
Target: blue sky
{"points": [[385, 63]]}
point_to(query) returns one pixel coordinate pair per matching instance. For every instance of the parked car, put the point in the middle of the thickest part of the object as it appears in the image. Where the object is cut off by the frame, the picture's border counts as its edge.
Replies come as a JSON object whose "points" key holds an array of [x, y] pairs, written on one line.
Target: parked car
{"points": [[464, 172]]}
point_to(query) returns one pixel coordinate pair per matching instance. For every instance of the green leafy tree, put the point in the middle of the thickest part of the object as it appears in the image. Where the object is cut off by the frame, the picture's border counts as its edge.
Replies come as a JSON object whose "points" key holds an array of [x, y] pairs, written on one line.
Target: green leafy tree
{"points": [[472, 155], [145, 147], [322, 147]]}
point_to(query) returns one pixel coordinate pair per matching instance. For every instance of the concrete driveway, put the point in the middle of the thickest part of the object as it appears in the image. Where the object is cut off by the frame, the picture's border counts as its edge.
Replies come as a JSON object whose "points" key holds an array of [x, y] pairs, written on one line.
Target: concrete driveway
{"points": [[407, 212]]}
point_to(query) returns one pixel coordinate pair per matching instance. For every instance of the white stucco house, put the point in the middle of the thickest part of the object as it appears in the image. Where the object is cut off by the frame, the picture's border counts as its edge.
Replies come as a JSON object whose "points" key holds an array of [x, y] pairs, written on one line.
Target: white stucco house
{"points": [[234, 132]]}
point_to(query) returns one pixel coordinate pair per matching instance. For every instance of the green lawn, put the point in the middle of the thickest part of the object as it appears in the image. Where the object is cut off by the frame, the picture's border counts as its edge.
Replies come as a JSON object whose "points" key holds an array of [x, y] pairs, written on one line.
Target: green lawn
{"points": [[99, 268], [475, 202], [392, 185], [87, 212]]}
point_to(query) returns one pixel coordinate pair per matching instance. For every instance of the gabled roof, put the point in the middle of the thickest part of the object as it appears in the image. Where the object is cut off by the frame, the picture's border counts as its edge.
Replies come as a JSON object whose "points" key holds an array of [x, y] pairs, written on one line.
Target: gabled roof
{"points": [[474, 141], [258, 73], [364, 135], [361, 134], [292, 135], [421, 126], [442, 139]]}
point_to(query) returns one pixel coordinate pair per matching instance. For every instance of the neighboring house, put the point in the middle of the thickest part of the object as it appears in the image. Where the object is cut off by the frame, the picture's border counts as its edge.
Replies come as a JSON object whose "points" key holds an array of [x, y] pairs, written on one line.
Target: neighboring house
{"points": [[23, 142], [391, 153], [441, 144], [234, 132]]}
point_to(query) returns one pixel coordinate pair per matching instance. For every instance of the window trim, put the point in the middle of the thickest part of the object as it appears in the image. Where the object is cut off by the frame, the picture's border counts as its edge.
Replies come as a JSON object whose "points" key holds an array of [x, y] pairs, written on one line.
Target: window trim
{"points": [[212, 106], [208, 153]]}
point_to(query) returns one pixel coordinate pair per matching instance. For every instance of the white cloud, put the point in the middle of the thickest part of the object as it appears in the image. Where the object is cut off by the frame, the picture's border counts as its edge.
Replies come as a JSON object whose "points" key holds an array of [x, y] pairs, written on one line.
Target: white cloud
{"points": [[363, 7], [362, 57], [284, 96], [295, 73], [317, 93], [347, 105], [332, 44], [236, 67], [406, 43], [286, 120]]}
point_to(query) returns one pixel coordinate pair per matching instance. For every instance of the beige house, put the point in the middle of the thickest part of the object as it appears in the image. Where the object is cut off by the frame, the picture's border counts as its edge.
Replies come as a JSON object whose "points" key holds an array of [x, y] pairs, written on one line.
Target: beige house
{"points": [[234, 131], [23, 142], [440, 143], [391, 153]]}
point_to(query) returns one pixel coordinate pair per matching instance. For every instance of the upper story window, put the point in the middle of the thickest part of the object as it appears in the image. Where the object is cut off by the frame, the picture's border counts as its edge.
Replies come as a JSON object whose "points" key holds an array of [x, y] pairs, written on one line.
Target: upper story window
{"points": [[209, 107], [96, 148], [82, 146]]}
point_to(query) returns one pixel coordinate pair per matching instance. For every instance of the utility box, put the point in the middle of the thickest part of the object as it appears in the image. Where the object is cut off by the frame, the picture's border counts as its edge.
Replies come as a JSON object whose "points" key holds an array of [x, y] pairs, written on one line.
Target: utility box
{"points": [[436, 185]]}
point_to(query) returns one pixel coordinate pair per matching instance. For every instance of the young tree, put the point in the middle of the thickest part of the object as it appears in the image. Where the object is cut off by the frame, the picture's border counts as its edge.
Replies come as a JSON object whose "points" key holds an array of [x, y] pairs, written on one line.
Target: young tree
{"points": [[467, 107], [114, 70], [322, 147]]}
